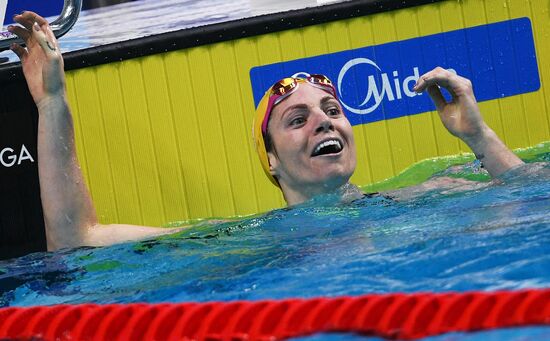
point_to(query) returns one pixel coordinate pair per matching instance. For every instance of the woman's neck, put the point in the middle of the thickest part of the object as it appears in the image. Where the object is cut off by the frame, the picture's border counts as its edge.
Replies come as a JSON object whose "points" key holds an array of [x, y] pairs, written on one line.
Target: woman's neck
{"points": [[344, 193]]}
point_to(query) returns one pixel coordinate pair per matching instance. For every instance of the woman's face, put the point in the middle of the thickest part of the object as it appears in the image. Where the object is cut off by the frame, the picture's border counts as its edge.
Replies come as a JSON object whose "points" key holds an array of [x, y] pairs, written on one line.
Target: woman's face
{"points": [[313, 146]]}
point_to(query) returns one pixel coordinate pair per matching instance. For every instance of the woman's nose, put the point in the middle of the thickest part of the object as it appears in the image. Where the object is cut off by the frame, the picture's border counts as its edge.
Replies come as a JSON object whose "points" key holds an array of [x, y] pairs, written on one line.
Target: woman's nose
{"points": [[324, 126]]}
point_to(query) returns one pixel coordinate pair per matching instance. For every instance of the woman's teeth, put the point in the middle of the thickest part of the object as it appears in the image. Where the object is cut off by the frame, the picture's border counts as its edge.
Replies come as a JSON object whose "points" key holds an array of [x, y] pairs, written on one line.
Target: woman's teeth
{"points": [[327, 147]]}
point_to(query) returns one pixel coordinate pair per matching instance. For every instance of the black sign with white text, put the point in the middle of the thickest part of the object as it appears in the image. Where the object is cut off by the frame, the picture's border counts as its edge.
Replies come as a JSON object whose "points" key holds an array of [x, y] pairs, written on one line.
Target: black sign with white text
{"points": [[21, 220]]}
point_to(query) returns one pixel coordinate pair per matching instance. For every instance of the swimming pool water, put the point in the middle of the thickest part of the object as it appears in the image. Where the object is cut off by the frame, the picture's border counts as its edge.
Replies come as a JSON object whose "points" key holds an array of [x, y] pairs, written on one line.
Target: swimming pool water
{"points": [[475, 236], [509, 334]]}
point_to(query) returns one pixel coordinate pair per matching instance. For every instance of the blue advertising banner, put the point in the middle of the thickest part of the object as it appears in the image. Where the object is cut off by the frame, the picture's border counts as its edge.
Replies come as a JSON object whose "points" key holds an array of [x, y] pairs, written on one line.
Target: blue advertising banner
{"points": [[375, 83], [47, 8]]}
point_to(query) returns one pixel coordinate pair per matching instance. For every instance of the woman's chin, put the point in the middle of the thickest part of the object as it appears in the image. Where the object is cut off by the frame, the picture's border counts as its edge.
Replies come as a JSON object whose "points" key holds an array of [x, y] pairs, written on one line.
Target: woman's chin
{"points": [[334, 179]]}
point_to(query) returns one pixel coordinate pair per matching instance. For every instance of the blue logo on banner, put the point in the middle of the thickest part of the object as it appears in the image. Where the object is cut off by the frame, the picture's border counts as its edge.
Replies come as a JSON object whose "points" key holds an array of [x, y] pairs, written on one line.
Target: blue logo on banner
{"points": [[375, 83]]}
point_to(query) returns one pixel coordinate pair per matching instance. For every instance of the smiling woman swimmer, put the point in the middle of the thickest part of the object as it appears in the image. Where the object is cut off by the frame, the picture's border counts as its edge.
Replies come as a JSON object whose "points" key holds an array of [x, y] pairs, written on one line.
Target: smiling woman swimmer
{"points": [[304, 141]]}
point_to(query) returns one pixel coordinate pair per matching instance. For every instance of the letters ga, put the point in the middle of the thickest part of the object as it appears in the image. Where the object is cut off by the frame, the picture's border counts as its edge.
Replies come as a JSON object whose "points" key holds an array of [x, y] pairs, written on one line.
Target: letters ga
{"points": [[10, 157]]}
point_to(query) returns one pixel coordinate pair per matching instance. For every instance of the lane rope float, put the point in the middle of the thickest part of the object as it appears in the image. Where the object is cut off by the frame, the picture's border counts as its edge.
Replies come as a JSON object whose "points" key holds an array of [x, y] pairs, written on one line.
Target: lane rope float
{"points": [[396, 316]]}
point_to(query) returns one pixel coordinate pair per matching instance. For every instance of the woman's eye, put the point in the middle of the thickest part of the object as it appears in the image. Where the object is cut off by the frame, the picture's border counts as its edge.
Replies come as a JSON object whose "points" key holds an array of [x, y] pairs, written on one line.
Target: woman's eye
{"points": [[333, 112], [297, 121]]}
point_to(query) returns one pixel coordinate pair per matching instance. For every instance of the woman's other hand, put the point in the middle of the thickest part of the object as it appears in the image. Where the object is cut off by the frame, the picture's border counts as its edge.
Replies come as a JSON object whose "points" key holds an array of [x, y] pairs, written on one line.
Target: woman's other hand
{"points": [[41, 59]]}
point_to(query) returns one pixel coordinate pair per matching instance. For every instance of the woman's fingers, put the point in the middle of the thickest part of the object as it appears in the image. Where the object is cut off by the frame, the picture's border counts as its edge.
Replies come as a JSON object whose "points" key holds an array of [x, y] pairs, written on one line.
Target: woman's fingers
{"points": [[20, 32], [37, 35], [437, 97], [19, 51], [49, 34], [456, 85], [48, 46], [23, 21], [28, 18], [437, 76], [37, 18]]}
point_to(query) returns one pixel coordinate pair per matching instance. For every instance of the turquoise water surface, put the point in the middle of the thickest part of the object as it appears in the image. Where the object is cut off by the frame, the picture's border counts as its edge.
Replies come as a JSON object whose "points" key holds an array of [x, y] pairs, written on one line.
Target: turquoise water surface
{"points": [[448, 234]]}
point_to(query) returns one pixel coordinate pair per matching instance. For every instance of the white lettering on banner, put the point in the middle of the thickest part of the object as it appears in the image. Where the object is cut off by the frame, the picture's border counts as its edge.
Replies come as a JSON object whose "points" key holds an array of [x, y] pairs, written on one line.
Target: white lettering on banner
{"points": [[8, 157], [391, 91]]}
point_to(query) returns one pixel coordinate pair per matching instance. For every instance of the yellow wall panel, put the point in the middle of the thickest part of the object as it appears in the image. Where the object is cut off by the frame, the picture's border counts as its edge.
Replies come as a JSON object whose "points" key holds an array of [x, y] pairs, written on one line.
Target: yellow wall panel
{"points": [[94, 138], [141, 139], [537, 105], [188, 137], [314, 40], [167, 137], [163, 134], [291, 45], [337, 36], [266, 195], [213, 147], [380, 161], [235, 129], [120, 165], [268, 49]]}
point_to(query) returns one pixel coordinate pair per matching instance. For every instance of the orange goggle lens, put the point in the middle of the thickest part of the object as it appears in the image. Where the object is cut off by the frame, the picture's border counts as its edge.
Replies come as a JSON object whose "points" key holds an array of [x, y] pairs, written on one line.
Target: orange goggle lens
{"points": [[284, 87]]}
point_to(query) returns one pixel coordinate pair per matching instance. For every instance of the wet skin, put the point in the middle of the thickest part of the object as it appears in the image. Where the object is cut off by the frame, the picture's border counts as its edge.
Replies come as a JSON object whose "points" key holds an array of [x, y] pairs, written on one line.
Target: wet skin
{"points": [[298, 125]]}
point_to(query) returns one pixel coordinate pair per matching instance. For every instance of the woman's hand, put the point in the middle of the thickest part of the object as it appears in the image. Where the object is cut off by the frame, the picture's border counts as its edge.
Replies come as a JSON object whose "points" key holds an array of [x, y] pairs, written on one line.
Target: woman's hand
{"points": [[41, 59], [462, 118], [461, 115]]}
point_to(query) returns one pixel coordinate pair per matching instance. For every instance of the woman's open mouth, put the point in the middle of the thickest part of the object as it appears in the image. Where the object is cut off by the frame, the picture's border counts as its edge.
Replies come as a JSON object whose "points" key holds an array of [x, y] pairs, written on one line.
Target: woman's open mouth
{"points": [[326, 147]]}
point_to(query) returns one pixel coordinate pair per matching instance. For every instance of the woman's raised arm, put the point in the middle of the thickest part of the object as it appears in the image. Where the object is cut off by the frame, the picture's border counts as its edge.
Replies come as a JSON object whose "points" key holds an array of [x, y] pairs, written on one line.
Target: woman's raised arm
{"points": [[69, 213], [462, 118]]}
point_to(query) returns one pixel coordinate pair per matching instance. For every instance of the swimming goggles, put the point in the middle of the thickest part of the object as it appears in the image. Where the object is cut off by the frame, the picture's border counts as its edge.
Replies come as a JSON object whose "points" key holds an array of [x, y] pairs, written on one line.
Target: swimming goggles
{"points": [[286, 86], [273, 96]]}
